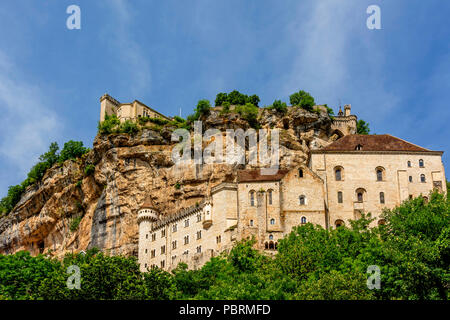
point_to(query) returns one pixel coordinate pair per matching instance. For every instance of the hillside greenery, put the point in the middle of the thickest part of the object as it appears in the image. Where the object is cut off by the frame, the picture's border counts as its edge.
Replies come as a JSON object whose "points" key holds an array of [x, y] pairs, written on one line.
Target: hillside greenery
{"points": [[71, 150], [412, 251]]}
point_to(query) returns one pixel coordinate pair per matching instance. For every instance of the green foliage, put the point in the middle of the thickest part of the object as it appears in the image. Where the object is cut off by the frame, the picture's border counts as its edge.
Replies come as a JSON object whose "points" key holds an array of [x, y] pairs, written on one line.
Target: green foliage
{"points": [[412, 250], [203, 108], [72, 150], [109, 125], [89, 170], [177, 185], [236, 98], [362, 127], [225, 108], [74, 223], [249, 112], [302, 99], [159, 121], [129, 127], [279, 106]]}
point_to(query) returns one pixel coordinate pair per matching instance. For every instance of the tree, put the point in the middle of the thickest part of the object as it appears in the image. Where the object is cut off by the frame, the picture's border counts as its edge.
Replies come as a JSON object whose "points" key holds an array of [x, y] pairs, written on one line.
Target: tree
{"points": [[253, 99], [221, 98], [203, 107], [249, 112], [279, 106], [302, 99], [72, 150], [362, 127]]}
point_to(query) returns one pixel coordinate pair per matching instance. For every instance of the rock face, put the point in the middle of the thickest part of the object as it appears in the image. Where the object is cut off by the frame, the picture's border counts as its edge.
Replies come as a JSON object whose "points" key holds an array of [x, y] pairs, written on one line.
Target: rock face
{"points": [[127, 169]]}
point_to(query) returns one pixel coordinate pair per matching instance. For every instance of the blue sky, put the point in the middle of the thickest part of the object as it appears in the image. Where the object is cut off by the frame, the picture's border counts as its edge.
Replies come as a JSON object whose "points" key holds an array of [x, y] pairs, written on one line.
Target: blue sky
{"points": [[170, 54]]}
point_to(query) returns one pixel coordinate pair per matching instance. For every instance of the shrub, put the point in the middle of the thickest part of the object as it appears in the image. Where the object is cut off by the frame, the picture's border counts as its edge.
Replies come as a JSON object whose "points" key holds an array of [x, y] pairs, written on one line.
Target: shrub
{"points": [[109, 124], [72, 150], [129, 127], [279, 106], [159, 121], [249, 112], [89, 169], [74, 224], [302, 99]]}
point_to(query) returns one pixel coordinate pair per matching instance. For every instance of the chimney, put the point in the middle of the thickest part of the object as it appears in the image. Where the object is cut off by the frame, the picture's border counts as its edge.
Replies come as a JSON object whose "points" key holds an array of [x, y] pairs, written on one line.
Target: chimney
{"points": [[347, 109], [108, 106]]}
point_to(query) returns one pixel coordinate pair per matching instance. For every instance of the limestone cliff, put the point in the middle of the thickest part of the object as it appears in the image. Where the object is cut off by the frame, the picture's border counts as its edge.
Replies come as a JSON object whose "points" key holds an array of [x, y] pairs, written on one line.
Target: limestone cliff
{"points": [[127, 169]]}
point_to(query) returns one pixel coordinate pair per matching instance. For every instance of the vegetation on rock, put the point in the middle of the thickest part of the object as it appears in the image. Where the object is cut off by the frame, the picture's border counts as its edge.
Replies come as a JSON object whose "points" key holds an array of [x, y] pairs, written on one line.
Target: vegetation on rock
{"points": [[412, 251]]}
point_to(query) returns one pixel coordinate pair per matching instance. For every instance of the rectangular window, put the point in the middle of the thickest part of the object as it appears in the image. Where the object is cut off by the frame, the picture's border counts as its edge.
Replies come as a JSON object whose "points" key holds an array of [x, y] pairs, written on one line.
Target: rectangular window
{"points": [[339, 197], [199, 234], [163, 263], [199, 217], [199, 249], [174, 244], [163, 249], [153, 253], [186, 223], [163, 233], [154, 237], [218, 239], [186, 239], [174, 228]]}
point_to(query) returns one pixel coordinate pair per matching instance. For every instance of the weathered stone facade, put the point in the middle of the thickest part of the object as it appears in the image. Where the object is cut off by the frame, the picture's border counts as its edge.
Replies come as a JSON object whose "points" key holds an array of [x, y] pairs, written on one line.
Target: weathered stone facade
{"points": [[353, 175]]}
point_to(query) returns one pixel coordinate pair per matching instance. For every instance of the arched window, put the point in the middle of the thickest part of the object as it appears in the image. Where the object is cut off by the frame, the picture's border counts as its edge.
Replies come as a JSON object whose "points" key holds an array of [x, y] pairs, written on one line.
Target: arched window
{"points": [[251, 223], [422, 178], [303, 220], [380, 173], [381, 197], [266, 245], [421, 163], [339, 223], [300, 173], [409, 164], [269, 195], [410, 178], [272, 221], [271, 245], [252, 198], [360, 194], [339, 196], [302, 200], [359, 147], [270, 237], [338, 173], [425, 199]]}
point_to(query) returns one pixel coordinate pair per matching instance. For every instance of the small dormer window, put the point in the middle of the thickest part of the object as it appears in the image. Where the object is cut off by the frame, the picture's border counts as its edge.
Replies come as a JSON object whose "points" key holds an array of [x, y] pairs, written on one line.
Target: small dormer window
{"points": [[359, 147], [300, 173]]}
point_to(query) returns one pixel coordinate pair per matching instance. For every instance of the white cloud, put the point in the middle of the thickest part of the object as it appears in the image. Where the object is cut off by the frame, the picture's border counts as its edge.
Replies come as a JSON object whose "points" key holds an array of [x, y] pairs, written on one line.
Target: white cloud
{"points": [[27, 124], [135, 67], [336, 58]]}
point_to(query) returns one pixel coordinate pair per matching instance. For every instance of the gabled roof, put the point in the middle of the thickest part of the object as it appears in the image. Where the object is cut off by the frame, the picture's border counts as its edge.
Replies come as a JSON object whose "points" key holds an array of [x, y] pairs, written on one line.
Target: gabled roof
{"points": [[381, 142], [253, 175]]}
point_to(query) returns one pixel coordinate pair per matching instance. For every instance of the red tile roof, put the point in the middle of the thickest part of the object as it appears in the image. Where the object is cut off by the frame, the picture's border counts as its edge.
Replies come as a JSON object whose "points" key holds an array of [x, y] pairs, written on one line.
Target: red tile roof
{"points": [[148, 203], [250, 175], [378, 142]]}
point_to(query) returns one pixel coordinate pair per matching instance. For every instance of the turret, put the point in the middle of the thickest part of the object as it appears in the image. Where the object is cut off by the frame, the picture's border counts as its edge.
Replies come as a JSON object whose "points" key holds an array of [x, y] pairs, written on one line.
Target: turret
{"points": [[347, 109], [108, 106], [148, 212]]}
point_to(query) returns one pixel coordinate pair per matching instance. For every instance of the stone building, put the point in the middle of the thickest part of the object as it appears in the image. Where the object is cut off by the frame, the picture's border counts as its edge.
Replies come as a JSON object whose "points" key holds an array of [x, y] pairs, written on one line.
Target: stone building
{"points": [[355, 174], [126, 111]]}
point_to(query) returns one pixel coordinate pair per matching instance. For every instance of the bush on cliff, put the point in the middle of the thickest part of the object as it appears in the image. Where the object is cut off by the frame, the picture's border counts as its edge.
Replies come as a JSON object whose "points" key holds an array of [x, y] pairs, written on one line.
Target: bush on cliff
{"points": [[302, 99]]}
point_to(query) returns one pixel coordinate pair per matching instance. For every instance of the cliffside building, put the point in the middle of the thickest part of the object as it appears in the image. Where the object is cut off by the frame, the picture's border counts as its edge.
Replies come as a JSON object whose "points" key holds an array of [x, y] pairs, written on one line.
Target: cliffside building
{"points": [[355, 174]]}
